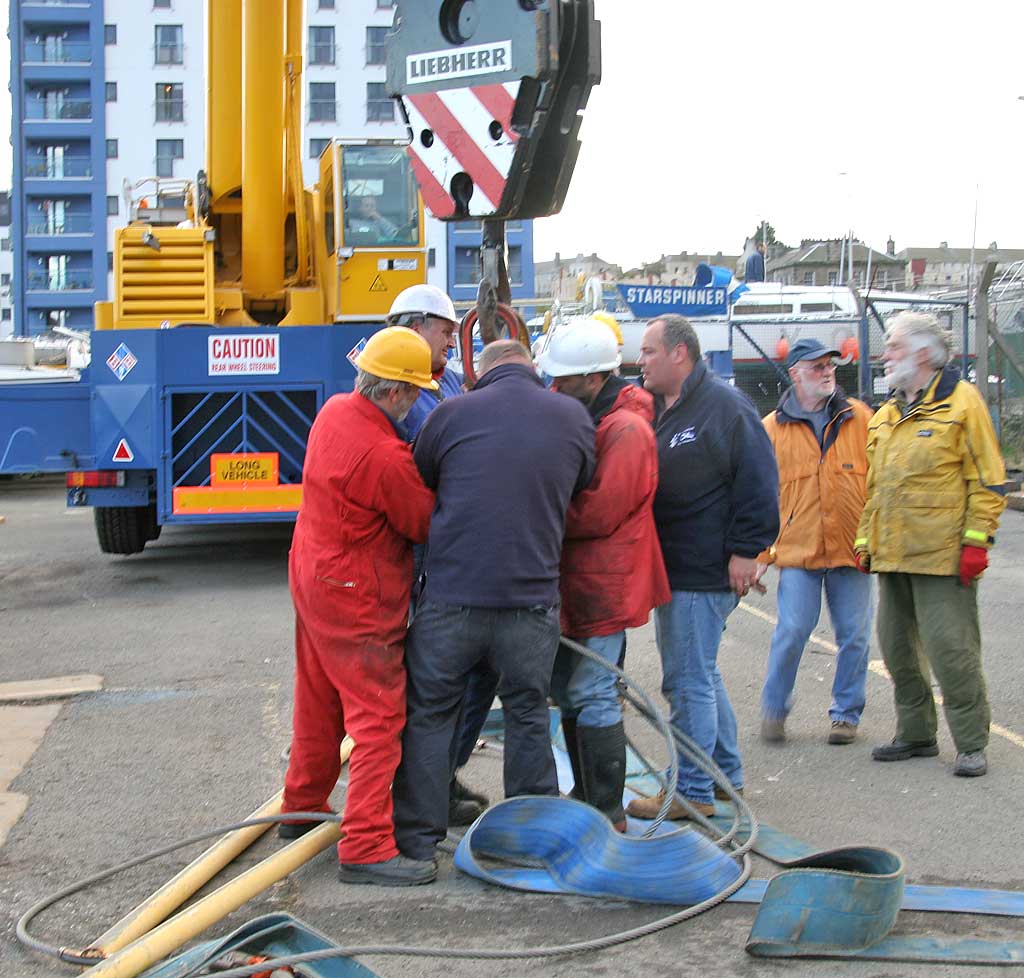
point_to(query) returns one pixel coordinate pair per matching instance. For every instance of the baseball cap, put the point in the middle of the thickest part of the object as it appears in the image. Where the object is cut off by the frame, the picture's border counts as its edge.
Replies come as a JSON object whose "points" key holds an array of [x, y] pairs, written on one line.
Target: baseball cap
{"points": [[808, 349]]}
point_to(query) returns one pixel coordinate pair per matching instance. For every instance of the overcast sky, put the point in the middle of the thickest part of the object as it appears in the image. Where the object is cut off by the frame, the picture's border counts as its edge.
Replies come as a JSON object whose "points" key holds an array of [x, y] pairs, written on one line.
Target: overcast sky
{"points": [[884, 115], [710, 118]]}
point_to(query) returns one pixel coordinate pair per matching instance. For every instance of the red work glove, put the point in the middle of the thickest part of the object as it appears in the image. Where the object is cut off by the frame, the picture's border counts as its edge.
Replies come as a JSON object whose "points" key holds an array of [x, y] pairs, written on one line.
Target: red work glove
{"points": [[973, 560], [863, 560]]}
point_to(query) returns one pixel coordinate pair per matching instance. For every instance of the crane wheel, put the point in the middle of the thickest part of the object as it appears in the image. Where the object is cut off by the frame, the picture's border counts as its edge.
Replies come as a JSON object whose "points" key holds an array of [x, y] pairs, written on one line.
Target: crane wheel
{"points": [[125, 529]]}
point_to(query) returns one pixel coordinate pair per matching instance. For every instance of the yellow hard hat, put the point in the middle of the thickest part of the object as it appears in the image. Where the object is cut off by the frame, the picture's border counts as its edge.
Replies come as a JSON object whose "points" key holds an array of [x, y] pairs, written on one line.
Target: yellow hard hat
{"points": [[398, 353], [611, 322]]}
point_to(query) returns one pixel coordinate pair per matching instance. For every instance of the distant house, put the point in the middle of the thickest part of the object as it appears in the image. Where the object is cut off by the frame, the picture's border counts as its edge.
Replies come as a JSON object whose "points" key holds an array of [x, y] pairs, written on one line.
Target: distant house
{"points": [[949, 268], [817, 262], [678, 269], [564, 278]]}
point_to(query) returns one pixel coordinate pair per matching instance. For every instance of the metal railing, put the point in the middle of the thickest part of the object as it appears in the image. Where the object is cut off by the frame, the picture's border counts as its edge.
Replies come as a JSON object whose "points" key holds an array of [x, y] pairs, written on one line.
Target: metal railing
{"points": [[170, 110], [69, 224], [68, 167], [72, 280], [66, 52], [69, 109], [323, 110], [169, 54]]}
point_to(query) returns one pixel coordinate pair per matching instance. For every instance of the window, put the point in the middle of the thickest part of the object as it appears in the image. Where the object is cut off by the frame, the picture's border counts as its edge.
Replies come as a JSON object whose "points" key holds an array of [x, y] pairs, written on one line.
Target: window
{"points": [[112, 205], [321, 45], [111, 149], [5, 279], [110, 261], [161, 4], [467, 266], [831, 278], [322, 107], [111, 91], [110, 33], [6, 313], [808, 278], [170, 102], [385, 4], [379, 108], [316, 147], [167, 151], [515, 264], [168, 46], [326, 5], [375, 46], [5, 244]]}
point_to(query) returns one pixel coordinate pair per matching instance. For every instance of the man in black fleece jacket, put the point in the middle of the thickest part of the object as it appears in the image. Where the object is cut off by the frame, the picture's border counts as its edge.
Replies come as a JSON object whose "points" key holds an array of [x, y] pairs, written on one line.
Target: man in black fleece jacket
{"points": [[716, 509], [504, 460]]}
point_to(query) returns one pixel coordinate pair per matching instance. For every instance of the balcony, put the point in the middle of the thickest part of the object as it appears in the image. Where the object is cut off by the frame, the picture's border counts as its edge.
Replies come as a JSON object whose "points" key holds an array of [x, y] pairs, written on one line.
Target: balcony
{"points": [[170, 110], [70, 167], [70, 109], [73, 280], [51, 53], [169, 54], [323, 110], [69, 224]]}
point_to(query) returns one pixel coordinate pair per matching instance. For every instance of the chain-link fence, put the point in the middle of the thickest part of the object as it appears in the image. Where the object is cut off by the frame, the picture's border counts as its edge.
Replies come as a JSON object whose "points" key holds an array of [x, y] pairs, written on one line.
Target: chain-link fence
{"points": [[1006, 355], [759, 346]]}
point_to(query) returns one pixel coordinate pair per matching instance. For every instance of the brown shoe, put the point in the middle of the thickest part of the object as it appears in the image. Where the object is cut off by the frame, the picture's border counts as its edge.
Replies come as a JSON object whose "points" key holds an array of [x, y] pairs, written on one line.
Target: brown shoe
{"points": [[722, 795], [842, 732], [773, 729], [648, 808]]}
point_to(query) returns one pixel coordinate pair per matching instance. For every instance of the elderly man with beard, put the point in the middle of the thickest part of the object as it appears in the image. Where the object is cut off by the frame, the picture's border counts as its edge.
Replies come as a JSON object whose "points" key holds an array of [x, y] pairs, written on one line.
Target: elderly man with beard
{"points": [[820, 441], [934, 497]]}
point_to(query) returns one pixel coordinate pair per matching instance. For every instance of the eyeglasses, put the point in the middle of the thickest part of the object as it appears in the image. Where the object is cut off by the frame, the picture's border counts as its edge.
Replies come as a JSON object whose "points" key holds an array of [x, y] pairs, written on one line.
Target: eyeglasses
{"points": [[820, 368]]}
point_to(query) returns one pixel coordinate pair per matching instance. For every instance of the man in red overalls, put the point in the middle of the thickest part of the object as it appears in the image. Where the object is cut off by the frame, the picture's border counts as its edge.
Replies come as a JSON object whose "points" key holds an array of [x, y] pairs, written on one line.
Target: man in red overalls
{"points": [[350, 572]]}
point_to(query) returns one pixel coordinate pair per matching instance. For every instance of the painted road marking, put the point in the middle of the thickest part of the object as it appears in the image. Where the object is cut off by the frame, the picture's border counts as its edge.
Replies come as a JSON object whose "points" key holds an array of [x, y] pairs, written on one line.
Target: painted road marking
{"points": [[21, 730], [49, 689], [877, 667]]}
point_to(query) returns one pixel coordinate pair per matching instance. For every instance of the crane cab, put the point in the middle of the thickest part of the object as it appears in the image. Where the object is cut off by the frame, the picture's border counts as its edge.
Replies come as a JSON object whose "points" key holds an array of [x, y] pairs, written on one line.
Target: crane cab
{"points": [[372, 246]]}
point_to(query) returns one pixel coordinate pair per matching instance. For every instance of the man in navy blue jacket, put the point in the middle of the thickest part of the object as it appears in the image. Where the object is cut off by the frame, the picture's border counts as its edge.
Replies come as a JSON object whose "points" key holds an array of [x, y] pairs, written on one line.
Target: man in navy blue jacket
{"points": [[716, 509], [504, 461]]}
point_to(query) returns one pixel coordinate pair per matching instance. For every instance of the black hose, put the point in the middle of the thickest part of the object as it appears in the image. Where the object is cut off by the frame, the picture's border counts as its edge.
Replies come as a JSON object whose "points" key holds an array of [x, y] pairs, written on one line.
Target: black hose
{"points": [[676, 743]]}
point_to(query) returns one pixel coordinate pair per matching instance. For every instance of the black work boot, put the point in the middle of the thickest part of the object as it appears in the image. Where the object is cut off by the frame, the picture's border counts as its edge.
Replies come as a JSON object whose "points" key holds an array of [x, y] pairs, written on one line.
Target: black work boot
{"points": [[901, 750], [572, 747], [464, 805], [396, 871], [603, 769]]}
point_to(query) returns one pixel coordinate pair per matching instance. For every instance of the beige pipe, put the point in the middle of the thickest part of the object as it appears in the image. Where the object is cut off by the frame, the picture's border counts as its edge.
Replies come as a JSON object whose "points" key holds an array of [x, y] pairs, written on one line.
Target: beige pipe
{"points": [[193, 877], [169, 936]]}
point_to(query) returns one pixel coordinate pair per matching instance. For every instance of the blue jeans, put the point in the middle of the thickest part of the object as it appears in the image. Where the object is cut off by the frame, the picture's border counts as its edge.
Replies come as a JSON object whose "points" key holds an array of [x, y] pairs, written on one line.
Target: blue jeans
{"points": [[689, 629], [583, 689], [444, 646], [848, 593]]}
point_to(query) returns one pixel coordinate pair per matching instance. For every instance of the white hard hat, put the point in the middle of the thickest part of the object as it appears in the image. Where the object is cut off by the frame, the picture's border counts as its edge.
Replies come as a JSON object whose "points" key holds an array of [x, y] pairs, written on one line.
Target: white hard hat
{"points": [[427, 300], [579, 348]]}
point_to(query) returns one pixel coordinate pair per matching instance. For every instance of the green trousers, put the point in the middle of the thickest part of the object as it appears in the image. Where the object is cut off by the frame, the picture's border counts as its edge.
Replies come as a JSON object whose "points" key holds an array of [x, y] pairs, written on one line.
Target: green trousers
{"points": [[926, 620]]}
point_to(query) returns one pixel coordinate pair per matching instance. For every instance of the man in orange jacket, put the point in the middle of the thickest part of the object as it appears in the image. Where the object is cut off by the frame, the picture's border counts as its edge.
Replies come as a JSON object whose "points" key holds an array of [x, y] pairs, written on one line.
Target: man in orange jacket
{"points": [[612, 570], [350, 571], [820, 440]]}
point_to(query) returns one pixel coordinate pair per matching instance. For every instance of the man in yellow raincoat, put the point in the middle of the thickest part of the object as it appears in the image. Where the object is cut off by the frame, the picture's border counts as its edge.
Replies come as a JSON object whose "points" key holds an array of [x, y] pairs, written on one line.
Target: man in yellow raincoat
{"points": [[934, 496]]}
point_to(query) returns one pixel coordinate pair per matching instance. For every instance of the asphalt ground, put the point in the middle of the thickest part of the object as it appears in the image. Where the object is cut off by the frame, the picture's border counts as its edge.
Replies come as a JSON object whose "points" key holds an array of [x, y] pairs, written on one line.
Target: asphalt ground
{"points": [[193, 639]]}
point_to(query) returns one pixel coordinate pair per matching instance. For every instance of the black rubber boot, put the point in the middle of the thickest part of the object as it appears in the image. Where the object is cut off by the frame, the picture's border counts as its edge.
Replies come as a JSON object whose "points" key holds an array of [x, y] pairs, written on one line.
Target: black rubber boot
{"points": [[603, 764], [573, 748]]}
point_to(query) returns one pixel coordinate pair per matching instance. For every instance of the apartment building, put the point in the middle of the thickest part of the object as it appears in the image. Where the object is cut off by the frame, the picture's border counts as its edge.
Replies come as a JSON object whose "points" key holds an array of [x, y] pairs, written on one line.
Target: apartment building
{"points": [[6, 267], [109, 93]]}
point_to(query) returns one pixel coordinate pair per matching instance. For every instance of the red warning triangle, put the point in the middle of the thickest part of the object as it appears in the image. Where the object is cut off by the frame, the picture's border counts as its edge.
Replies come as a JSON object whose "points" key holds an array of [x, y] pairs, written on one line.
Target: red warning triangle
{"points": [[123, 453]]}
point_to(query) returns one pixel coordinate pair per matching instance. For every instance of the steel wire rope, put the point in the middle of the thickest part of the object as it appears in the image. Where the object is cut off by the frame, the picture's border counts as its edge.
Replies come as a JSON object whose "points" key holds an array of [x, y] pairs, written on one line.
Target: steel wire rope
{"points": [[675, 740]]}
